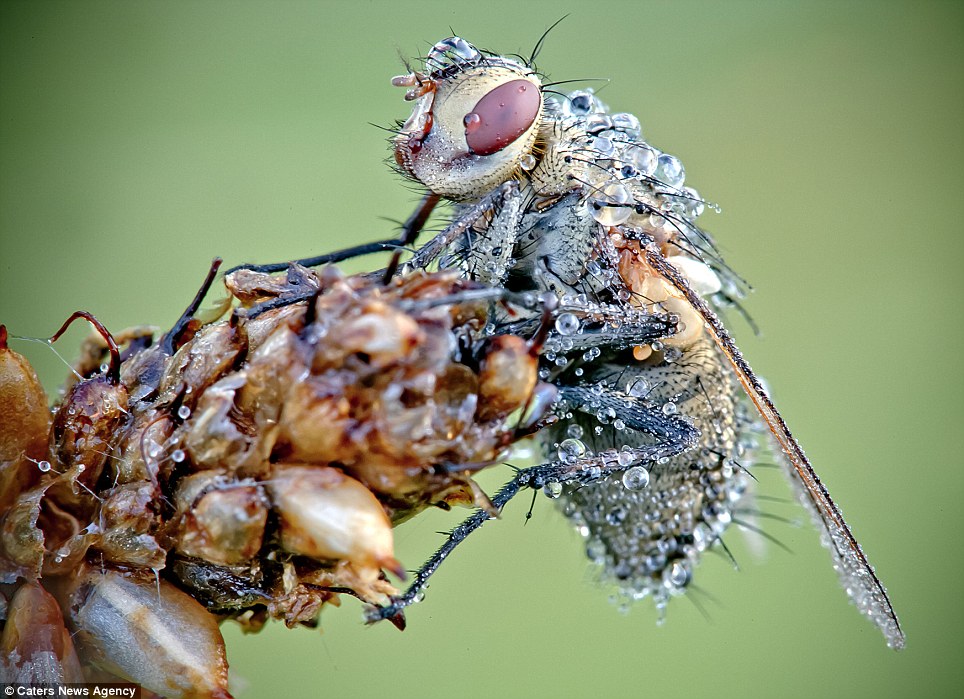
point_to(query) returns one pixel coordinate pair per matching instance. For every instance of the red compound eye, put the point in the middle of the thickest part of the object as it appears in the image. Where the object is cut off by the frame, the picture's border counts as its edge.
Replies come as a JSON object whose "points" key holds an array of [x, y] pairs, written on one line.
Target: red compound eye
{"points": [[501, 116]]}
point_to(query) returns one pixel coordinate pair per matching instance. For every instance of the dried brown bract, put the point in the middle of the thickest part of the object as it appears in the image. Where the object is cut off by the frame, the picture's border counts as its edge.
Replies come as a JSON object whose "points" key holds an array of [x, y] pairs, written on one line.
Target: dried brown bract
{"points": [[246, 468]]}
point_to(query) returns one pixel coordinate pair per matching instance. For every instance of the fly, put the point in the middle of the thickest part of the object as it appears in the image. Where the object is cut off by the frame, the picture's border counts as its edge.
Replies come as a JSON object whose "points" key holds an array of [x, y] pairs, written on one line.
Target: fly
{"points": [[650, 455]]}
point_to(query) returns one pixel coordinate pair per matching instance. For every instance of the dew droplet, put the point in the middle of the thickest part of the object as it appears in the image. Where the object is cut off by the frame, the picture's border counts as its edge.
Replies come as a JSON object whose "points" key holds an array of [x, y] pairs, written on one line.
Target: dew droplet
{"points": [[184, 412], [635, 478], [669, 408], [177, 456], [574, 431], [627, 123], [43, 466], [596, 550], [644, 159], [571, 450], [603, 147], [471, 121], [694, 203], [552, 489], [669, 171], [567, 324], [606, 415], [611, 205], [677, 575], [579, 103], [638, 388]]}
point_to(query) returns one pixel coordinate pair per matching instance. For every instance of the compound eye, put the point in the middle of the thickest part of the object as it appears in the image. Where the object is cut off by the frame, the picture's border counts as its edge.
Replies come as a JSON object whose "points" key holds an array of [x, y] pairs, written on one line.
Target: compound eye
{"points": [[501, 116]]}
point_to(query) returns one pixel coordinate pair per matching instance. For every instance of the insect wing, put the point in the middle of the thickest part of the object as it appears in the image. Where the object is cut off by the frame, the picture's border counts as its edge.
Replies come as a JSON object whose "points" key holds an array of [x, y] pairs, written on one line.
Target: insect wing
{"points": [[856, 574]]}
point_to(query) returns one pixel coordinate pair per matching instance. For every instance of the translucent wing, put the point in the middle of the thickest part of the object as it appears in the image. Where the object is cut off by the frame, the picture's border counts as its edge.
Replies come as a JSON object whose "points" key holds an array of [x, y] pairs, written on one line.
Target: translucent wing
{"points": [[856, 574]]}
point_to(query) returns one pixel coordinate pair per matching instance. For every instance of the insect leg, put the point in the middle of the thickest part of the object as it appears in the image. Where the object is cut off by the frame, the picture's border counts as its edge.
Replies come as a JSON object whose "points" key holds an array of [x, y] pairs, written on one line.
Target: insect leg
{"points": [[598, 325], [636, 414], [507, 199], [676, 435], [410, 230]]}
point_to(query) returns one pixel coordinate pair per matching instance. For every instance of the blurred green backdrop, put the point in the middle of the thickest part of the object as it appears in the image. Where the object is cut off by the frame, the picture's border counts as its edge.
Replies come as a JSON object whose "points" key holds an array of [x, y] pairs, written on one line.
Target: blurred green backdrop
{"points": [[139, 140]]}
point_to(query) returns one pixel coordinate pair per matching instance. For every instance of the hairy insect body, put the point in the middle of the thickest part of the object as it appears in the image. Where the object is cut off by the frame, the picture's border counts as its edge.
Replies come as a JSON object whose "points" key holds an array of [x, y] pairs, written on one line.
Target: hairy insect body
{"points": [[589, 200], [560, 196]]}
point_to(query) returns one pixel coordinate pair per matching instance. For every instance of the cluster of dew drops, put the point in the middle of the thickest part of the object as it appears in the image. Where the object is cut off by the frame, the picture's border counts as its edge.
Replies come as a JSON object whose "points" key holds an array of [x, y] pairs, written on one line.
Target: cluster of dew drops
{"points": [[627, 170]]}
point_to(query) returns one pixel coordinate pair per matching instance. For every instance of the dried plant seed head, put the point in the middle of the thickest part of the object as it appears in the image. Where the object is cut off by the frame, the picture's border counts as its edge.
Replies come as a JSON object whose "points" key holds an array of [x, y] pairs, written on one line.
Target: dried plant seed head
{"points": [[507, 377], [35, 647], [146, 631], [254, 468], [329, 516], [24, 424]]}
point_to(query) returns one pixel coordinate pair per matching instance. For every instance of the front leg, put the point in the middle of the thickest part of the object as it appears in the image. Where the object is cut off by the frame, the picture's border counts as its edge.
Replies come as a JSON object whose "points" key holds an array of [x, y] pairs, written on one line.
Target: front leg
{"points": [[485, 251], [410, 230]]}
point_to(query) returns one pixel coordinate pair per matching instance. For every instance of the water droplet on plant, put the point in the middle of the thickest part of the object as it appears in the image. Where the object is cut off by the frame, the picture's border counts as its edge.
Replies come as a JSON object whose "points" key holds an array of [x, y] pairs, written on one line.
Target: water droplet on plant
{"points": [[567, 324]]}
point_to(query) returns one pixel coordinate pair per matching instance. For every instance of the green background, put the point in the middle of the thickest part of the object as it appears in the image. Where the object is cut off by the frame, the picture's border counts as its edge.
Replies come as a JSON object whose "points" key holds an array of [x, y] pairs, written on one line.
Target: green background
{"points": [[138, 140]]}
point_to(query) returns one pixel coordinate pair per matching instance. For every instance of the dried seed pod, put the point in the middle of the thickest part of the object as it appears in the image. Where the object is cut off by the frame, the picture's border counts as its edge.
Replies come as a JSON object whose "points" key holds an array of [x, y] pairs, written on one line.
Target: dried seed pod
{"points": [[35, 646], [207, 357], [253, 468], [129, 521], [147, 632], [224, 520], [327, 515], [21, 540], [319, 400], [385, 336], [84, 430], [508, 376], [24, 423]]}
